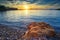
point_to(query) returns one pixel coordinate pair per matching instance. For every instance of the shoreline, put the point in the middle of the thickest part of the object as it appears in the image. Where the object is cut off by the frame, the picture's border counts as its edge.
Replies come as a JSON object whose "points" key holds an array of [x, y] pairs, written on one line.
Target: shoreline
{"points": [[14, 34]]}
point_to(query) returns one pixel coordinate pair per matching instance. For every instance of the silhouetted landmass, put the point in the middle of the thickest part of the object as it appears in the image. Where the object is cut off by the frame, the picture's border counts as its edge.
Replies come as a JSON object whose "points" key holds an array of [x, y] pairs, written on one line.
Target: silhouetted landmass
{"points": [[58, 9], [3, 8]]}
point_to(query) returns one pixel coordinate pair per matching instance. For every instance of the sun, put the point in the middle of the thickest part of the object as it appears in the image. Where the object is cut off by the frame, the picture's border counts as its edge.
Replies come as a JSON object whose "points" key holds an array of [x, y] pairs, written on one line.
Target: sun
{"points": [[26, 7]]}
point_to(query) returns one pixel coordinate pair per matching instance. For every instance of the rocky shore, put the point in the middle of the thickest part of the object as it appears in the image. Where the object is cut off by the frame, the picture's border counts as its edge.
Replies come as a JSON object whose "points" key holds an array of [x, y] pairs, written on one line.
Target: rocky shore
{"points": [[7, 33], [34, 29]]}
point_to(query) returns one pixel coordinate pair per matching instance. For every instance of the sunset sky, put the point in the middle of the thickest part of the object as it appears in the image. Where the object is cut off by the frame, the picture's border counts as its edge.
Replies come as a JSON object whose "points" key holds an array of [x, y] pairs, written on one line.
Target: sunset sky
{"points": [[27, 4]]}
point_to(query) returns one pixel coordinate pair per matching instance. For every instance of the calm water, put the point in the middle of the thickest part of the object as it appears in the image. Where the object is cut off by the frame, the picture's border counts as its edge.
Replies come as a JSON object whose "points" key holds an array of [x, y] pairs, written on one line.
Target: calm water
{"points": [[21, 18]]}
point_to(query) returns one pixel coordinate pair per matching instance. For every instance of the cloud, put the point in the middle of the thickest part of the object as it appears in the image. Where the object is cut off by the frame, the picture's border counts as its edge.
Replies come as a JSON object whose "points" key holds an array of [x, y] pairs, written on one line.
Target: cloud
{"points": [[44, 2], [54, 3], [41, 2]]}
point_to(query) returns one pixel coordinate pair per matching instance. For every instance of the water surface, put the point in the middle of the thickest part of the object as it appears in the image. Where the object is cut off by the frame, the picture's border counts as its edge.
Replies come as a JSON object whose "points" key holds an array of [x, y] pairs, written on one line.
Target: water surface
{"points": [[21, 18]]}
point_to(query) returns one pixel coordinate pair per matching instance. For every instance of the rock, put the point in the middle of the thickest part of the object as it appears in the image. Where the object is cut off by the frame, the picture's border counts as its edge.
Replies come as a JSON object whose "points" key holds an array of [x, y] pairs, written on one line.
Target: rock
{"points": [[7, 33], [39, 29]]}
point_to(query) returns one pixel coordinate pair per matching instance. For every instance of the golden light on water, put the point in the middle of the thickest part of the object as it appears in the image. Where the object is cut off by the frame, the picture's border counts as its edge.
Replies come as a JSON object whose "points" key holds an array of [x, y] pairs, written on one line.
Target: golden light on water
{"points": [[26, 8], [26, 12]]}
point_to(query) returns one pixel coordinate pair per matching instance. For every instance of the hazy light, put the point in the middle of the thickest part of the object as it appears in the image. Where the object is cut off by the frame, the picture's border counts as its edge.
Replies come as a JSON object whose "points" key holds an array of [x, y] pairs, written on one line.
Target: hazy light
{"points": [[26, 12], [26, 7]]}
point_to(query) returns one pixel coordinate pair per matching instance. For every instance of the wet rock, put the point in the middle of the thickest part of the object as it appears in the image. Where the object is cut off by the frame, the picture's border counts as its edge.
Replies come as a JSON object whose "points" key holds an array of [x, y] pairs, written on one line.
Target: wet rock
{"points": [[7, 33], [39, 29]]}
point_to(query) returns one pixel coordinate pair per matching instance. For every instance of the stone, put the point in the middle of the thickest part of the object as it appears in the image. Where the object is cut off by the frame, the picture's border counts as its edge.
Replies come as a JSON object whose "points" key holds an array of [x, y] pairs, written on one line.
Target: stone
{"points": [[39, 30]]}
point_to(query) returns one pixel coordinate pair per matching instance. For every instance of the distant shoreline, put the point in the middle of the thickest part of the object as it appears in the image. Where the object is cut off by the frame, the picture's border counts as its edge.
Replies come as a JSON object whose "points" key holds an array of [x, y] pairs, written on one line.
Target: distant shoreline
{"points": [[25, 9], [3, 8]]}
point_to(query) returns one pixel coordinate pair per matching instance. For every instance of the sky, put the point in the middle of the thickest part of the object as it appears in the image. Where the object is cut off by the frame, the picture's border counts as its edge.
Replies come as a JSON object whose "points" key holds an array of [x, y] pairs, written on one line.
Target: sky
{"points": [[43, 4]]}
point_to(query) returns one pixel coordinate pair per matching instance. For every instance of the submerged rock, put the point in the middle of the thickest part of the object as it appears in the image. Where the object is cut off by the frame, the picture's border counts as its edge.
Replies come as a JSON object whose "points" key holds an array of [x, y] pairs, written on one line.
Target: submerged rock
{"points": [[8, 33], [39, 30]]}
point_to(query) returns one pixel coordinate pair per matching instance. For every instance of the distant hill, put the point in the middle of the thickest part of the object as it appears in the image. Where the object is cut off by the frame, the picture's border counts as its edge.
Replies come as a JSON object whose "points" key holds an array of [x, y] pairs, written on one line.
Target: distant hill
{"points": [[3, 8], [58, 9]]}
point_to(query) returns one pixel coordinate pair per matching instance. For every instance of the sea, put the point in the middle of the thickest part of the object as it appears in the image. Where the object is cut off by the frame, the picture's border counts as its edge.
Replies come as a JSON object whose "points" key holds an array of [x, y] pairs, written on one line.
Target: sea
{"points": [[21, 18]]}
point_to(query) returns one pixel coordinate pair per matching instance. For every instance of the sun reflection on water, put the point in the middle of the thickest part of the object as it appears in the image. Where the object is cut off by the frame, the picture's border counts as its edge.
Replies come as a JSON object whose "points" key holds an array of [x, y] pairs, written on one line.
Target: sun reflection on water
{"points": [[26, 12], [18, 15]]}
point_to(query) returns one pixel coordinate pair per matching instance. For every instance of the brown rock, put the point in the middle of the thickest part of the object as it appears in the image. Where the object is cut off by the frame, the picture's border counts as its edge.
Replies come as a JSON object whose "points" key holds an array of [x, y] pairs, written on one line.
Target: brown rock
{"points": [[38, 29]]}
